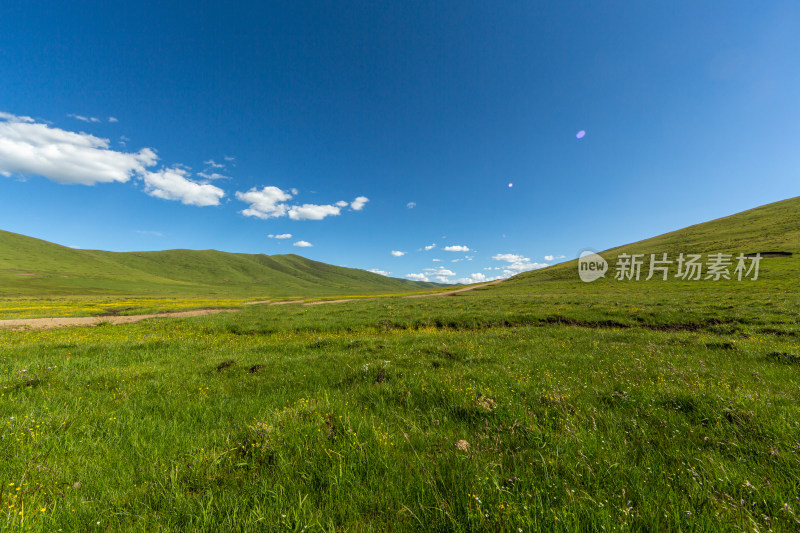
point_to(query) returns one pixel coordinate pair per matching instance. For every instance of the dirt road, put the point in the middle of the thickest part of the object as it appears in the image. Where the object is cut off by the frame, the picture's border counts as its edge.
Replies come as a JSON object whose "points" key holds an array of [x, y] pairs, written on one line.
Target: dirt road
{"points": [[62, 322], [65, 322], [451, 293]]}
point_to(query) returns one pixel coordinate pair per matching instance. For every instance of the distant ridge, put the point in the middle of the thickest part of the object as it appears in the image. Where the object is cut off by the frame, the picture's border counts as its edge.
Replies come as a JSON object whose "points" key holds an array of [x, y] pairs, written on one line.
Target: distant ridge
{"points": [[31, 267]]}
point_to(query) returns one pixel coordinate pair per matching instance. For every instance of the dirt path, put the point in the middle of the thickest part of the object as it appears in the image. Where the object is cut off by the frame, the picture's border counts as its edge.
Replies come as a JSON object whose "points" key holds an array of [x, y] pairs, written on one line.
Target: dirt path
{"points": [[321, 302], [62, 322], [451, 293], [65, 322]]}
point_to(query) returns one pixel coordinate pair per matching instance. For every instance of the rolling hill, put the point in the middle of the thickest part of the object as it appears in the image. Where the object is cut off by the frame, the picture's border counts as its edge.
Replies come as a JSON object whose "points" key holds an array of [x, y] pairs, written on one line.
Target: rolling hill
{"points": [[33, 267], [772, 230]]}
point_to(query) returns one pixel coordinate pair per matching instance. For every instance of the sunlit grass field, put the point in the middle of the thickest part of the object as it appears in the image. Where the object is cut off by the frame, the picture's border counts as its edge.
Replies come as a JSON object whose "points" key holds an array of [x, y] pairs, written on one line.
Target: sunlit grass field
{"points": [[538, 404], [81, 306], [11, 308], [499, 410]]}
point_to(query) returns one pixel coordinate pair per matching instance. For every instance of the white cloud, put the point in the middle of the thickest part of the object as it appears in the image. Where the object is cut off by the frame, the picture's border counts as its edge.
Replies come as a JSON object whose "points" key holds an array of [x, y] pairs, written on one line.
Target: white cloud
{"points": [[213, 176], [14, 118], [27, 147], [440, 274], [281, 236], [303, 244], [213, 164], [515, 268], [553, 257], [294, 191], [266, 203], [113, 119], [517, 264], [477, 277], [270, 202], [149, 232], [229, 158], [378, 271], [342, 203], [172, 184], [437, 260], [63, 156], [440, 270], [312, 212], [84, 119], [358, 203], [430, 247], [456, 248], [511, 258], [411, 205], [398, 253]]}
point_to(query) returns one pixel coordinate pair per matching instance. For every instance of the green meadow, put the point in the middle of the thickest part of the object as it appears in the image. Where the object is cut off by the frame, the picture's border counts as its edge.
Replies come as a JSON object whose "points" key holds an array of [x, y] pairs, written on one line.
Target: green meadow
{"points": [[539, 404]]}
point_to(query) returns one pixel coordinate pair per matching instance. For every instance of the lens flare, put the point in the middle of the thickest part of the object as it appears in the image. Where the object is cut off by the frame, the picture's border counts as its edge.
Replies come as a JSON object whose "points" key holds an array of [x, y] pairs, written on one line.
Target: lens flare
{"points": [[581, 134]]}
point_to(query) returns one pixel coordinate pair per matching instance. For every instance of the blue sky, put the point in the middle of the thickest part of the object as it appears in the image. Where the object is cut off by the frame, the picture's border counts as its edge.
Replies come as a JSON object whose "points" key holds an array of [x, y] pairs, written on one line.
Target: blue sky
{"points": [[369, 128]]}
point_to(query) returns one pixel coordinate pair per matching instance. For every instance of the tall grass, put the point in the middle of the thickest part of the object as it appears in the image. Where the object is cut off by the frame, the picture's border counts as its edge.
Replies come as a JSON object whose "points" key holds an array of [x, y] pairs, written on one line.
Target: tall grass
{"points": [[469, 413]]}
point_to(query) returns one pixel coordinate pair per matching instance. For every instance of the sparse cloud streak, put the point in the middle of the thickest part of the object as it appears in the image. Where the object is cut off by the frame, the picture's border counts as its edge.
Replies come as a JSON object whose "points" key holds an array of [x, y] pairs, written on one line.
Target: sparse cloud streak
{"points": [[83, 118]]}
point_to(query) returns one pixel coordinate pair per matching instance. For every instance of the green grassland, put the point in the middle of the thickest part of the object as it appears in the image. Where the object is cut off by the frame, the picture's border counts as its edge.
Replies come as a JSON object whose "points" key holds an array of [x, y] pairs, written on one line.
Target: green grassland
{"points": [[541, 403]]}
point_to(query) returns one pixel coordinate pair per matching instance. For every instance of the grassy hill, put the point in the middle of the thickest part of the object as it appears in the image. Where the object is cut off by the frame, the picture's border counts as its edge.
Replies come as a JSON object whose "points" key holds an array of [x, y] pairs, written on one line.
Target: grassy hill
{"points": [[772, 229], [556, 295], [33, 267]]}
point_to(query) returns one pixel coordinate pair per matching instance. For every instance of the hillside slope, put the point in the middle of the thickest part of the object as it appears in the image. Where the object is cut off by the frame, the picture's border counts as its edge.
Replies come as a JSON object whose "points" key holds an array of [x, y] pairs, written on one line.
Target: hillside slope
{"points": [[30, 267], [772, 230]]}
